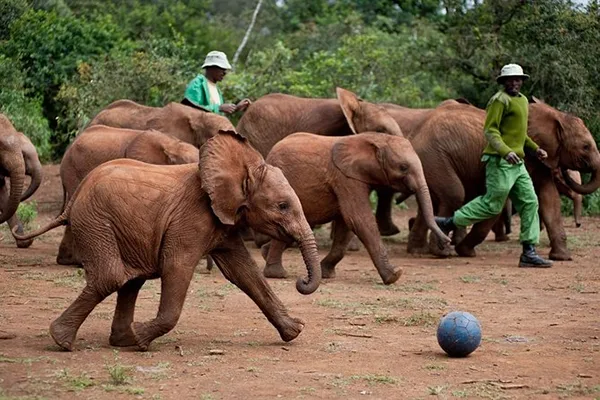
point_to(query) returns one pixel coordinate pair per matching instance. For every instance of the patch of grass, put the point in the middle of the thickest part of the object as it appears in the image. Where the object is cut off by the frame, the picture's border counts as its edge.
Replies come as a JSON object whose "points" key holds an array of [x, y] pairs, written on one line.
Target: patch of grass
{"points": [[387, 319], [420, 319], [207, 396], [436, 390], [118, 373], [24, 360], [434, 367], [576, 389], [469, 279], [75, 383], [460, 393], [376, 379], [70, 279]]}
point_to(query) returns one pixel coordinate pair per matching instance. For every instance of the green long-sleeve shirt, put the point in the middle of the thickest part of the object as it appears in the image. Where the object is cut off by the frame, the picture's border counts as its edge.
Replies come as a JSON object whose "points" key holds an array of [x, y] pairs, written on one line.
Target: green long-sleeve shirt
{"points": [[505, 125], [197, 93]]}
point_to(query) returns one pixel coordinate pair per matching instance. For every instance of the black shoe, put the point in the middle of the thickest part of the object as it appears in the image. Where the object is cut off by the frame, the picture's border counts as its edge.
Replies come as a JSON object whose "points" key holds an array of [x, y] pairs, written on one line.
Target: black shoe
{"points": [[530, 259], [446, 224]]}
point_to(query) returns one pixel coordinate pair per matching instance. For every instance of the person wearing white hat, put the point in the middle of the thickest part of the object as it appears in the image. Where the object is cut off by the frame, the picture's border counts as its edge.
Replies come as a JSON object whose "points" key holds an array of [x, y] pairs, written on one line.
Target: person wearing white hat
{"points": [[202, 92], [505, 129]]}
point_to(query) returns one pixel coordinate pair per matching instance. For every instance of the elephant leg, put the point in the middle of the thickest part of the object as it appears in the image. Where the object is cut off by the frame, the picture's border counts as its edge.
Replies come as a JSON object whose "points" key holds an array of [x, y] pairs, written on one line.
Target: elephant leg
{"points": [[384, 213], [67, 254], [120, 333], [357, 214], [341, 237], [14, 221], [549, 199], [477, 234], [417, 237], [238, 266], [458, 235], [64, 329], [209, 263], [353, 244], [274, 266]]}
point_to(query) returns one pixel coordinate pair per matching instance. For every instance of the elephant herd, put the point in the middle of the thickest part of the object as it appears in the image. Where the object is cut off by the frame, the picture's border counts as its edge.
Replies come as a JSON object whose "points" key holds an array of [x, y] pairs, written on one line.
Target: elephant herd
{"points": [[149, 191]]}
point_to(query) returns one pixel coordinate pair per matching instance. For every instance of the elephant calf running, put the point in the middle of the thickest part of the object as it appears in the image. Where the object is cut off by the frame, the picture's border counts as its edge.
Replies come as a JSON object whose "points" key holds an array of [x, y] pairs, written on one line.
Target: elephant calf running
{"points": [[133, 221], [99, 144], [333, 177]]}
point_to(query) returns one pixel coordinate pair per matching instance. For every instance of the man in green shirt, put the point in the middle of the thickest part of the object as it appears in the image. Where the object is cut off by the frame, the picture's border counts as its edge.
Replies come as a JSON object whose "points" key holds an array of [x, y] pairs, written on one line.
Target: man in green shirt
{"points": [[506, 176], [202, 92]]}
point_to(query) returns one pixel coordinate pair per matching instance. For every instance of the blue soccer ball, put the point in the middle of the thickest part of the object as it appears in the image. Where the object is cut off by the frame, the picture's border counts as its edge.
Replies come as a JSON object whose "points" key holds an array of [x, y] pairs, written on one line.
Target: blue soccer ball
{"points": [[459, 333]]}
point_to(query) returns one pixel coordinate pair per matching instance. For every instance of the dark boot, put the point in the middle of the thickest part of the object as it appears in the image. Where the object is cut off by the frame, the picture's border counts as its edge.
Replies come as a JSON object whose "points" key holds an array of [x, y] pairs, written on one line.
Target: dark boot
{"points": [[531, 259], [446, 224]]}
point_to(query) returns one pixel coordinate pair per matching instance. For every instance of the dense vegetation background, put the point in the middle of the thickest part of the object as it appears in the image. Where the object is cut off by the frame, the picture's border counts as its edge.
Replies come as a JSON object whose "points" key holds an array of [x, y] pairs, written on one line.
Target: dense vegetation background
{"points": [[61, 61]]}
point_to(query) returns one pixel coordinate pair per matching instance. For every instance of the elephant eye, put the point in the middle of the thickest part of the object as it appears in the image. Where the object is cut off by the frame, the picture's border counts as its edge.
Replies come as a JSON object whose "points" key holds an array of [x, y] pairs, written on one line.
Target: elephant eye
{"points": [[283, 206], [403, 167], [587, 147]]}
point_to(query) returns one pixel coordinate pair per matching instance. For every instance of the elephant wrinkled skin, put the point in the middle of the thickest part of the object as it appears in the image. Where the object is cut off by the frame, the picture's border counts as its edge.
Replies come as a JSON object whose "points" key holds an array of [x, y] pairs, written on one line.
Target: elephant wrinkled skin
{"points": [[185, 212], [333, 178], [185, 123], [18, 158], [276, 116], [99, 144]]}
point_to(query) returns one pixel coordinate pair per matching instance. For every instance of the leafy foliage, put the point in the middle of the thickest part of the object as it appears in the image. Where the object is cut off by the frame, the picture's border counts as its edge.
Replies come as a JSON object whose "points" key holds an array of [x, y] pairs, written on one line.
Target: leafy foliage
{"points": [[64, 60]]}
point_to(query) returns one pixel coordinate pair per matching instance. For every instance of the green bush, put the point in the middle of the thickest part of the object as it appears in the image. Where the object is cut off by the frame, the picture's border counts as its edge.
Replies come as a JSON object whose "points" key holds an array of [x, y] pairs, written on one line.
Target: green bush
{"points": [[27, 213], [23, 111]]}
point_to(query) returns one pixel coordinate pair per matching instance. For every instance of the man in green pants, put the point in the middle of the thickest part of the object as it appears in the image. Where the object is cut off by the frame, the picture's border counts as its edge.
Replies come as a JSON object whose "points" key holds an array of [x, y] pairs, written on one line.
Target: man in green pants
{"points": [[506, 176]]}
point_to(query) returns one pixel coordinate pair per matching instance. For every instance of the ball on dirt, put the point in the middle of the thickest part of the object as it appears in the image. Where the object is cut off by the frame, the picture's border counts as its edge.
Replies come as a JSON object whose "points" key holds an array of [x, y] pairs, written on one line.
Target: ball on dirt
{"points": [[459, 333]]}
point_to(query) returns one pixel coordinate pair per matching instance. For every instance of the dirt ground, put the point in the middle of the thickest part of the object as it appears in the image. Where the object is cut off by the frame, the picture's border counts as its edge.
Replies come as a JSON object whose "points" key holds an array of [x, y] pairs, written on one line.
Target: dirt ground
{"points": [[541, 328]]}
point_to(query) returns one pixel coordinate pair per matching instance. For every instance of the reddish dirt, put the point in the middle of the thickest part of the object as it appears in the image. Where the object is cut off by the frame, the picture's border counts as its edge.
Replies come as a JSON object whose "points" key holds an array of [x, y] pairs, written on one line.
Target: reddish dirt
{"points": [[541, 328]]}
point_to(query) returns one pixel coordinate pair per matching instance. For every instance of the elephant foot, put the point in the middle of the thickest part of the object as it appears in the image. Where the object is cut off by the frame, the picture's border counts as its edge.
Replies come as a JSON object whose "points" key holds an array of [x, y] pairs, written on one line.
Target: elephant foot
{"points": [[327, 272], [560, 255], [502, 238], [465, 251], [392, 276], [23, 244], [274, 271], [417, 250], [64, 336], [290, 329], [443, 252], [140, 334], [387, 228], [122, 338]]}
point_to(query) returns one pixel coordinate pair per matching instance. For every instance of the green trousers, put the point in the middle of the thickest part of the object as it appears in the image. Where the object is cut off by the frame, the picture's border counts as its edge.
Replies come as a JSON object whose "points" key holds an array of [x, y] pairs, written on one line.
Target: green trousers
{"points": [[504, 180]]}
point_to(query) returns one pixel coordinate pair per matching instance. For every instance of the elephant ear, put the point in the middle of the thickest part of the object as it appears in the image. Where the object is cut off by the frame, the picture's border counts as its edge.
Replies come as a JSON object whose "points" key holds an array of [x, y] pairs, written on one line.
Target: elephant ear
{"points": [[225, 162], [361, 158], [350, 104], [535, 100]]}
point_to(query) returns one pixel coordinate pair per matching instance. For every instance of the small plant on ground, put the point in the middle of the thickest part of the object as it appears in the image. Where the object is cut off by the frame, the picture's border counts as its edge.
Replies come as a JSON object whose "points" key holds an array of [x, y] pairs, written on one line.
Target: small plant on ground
{"points": [[27, 213], [118, 373]]}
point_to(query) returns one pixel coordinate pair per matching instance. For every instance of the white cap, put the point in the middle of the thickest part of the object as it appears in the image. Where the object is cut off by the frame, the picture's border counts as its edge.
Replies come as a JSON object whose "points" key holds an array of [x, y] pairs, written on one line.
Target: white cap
{"points": [[216, 59], [511, 70]]}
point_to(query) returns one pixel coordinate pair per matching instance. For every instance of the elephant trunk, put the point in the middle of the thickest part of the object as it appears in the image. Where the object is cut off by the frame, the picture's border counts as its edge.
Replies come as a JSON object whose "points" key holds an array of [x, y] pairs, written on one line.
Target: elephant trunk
{"points": [[424, 200], [308, 248], [35, 171], [16, 167], [586, 188]]}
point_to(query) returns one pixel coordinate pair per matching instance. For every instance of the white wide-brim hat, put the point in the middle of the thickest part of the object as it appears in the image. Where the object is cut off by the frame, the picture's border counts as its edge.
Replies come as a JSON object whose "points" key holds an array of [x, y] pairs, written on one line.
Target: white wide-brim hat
{"points": [[511, 70], [216, 59]]}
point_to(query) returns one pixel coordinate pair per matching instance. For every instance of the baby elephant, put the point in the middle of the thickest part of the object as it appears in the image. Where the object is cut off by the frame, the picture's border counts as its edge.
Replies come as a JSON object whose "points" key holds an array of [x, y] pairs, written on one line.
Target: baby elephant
{"points": [[333, 177], [99, 144], [133, 221]]}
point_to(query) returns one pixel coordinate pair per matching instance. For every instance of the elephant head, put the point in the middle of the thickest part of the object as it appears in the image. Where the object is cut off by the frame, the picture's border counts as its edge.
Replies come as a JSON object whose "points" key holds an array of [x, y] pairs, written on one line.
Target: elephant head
{"points": [[569, 144], [244, 189], [202, 124], [12, 165], [363, 116], [158, 148], [390, 161]]}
